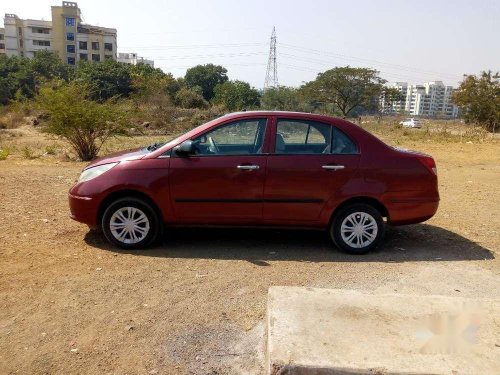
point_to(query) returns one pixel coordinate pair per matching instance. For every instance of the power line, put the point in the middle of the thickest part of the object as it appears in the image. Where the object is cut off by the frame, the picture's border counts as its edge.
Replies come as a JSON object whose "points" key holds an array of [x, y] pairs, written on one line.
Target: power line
{"points": [[182, 57], [346, 57], [193, 46], [329, 63]]}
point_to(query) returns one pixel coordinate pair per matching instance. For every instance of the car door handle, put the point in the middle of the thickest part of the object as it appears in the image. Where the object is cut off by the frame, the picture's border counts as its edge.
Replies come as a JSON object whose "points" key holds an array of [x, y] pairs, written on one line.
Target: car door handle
{"points": [[248, 167], [333, 167]]}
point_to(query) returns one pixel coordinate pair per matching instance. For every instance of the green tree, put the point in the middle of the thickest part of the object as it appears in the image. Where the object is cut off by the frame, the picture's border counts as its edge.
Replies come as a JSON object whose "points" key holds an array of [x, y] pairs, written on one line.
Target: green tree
{"points": [[190, 98], [236, 95], [206, 77], [48, 65], [105, 79], [281, 98], [173, 86], [73, 116], [347, 88], [479, 99], [145, 70], [9, 82], [20, 76]]}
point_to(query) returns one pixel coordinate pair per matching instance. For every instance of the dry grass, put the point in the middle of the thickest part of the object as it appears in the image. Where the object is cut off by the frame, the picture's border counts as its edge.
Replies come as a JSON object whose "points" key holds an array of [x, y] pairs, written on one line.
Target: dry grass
{"points": [[28, 142], [434, 131], [150, 312]]}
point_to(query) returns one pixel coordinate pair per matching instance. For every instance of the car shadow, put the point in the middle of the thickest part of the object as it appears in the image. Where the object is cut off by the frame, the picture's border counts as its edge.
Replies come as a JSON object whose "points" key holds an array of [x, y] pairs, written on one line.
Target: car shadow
{"points": [[420, 242]]}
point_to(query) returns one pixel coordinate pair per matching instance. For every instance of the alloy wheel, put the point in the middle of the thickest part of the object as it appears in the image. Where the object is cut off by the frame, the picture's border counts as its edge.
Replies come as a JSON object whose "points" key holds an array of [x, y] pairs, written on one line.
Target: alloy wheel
{"points": [[129, 225], [359, 230]]}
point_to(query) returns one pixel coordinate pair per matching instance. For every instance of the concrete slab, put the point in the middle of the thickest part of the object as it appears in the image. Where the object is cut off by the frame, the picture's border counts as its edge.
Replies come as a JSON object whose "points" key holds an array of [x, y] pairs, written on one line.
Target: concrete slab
{"points": [[328, 331]]}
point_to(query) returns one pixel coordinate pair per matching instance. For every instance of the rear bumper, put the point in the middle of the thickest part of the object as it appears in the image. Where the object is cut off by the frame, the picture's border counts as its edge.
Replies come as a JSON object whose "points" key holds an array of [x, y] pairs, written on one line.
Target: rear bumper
{"points": [[83, 209], [411, 210]]}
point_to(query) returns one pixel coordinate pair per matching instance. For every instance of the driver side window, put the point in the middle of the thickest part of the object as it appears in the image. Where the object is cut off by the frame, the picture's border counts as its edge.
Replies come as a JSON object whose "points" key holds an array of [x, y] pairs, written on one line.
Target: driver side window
{"points": [[236, 138]]}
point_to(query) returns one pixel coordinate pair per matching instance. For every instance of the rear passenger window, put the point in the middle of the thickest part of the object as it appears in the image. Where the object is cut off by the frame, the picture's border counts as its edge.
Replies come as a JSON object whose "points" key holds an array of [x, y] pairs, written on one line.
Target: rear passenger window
{"points": [[342, 144], [302, 137], [311, 137]]}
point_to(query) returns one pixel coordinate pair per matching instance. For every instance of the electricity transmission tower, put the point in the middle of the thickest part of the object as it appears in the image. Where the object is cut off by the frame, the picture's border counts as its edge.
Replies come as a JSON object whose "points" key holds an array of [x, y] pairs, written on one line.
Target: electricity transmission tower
{"points": [[272, 68]]}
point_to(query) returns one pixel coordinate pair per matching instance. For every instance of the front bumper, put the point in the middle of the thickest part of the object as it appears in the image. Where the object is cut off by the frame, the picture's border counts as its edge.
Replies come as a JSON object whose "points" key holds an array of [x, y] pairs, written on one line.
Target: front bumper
{"points": [[83, 209]]}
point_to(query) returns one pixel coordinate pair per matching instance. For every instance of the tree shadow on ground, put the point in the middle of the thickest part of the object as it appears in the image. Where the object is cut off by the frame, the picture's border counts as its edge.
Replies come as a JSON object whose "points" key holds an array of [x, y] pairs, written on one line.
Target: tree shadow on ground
{"points": [[413, 243]]}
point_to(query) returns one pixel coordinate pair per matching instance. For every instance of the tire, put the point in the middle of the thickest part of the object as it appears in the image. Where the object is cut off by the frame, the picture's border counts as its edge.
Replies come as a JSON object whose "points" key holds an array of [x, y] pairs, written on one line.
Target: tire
{"points": [[369, 235], [138, 235]]}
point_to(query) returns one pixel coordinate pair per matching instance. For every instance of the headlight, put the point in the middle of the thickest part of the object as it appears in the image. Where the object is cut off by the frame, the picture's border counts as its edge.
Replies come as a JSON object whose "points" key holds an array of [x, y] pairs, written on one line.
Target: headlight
{"points": [[90, 173]]}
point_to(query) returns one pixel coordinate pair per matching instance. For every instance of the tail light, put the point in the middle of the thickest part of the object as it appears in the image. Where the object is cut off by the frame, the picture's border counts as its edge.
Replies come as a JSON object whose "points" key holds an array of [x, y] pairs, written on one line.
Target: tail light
{"points": [[429, 163]]}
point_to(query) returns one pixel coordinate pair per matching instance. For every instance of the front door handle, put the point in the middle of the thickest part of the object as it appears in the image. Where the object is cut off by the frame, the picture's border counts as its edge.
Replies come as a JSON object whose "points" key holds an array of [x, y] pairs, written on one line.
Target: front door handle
{"points": [[248, 167], [333, 167]]}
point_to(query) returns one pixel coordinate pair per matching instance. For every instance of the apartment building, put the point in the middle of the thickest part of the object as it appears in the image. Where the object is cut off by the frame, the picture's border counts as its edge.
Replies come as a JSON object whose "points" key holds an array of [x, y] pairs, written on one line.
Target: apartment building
{"points": [[134, 59], [432, 99], [65, 34], [2, 40]]}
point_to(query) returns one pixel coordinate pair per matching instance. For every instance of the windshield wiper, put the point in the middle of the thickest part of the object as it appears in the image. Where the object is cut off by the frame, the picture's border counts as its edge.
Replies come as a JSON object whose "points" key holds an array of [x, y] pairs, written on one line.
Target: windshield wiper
{"points": [[155, 146]]}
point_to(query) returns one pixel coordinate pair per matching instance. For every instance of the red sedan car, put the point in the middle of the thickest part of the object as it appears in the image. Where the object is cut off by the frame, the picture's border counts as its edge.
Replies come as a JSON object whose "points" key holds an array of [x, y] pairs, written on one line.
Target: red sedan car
{"points": [[260, 168]]}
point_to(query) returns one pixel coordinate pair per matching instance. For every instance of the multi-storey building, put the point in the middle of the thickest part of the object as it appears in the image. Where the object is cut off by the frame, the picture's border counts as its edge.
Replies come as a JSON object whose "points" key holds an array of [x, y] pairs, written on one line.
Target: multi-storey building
{"points": [[432, 99], [2, 40], [134, 59], [65, 34]]}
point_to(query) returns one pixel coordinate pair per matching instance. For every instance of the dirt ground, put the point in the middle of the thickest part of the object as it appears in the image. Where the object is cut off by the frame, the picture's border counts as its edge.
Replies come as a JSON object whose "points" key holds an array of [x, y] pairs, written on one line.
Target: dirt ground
{"points": [[71, 304]]}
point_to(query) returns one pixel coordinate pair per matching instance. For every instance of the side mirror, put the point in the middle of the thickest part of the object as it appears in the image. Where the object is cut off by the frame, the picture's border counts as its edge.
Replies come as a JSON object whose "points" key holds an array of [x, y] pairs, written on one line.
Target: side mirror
{"points": [[185, 148]]}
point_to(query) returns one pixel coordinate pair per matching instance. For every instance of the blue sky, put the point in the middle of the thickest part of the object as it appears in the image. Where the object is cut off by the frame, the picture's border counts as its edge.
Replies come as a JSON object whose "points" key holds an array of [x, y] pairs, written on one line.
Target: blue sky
{"points": [[414, 41]]}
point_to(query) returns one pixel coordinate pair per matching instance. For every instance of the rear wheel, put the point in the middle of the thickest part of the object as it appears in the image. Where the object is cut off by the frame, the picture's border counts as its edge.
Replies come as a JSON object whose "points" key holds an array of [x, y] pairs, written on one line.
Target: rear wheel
{"points": [[357, 228], [130, 223]]}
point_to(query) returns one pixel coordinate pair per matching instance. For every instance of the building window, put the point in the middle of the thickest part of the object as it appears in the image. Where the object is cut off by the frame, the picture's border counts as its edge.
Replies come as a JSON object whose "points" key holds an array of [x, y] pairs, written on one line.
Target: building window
{"points": [[82, 45], [70, 21], [40, 30], [21, 43], [45, 43], [95, 46], [71, 60], [70, 36], [70, 48], [2, 46], [108, 57], [84, 56], [20, 30], [96, 57], [1, 36], [108, 46]]}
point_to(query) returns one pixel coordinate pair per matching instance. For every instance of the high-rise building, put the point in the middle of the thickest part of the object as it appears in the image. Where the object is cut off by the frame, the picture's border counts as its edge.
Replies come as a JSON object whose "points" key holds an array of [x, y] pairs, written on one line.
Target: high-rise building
{"points": [[66, 34], [2, 40], [432, 99], [134, 59]]}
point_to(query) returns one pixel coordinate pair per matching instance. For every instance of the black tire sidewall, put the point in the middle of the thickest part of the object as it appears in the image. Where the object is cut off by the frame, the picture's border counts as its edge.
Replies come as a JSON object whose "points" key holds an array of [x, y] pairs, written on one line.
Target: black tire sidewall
{"points": [[339, 218], [145, 207]]}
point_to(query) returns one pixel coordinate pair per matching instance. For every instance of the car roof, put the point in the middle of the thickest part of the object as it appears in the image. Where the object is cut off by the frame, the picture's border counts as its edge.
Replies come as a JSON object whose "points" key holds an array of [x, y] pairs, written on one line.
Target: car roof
{"points": [[277, 113]]}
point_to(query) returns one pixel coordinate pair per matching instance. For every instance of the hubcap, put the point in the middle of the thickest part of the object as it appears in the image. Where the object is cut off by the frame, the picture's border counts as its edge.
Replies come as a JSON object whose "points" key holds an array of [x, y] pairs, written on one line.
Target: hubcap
{"points": [[129, 225], [359, 230]]}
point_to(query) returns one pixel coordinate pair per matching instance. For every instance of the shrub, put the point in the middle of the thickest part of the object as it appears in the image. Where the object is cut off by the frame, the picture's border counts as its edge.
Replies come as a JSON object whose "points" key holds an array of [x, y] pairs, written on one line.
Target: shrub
{"points": [[84, 123], [236, 95], [29, 153], [189, 98], [51, 149], [4, 152]]}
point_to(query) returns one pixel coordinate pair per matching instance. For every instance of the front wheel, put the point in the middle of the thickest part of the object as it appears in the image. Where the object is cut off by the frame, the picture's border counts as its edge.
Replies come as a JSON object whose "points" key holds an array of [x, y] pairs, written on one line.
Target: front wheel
{"points": [[357, 228], [130, 223]]}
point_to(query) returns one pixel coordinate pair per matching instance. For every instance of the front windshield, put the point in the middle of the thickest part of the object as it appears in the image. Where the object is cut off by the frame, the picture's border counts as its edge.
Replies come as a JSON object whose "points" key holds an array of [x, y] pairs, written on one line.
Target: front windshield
{"points": [[176, 140]]}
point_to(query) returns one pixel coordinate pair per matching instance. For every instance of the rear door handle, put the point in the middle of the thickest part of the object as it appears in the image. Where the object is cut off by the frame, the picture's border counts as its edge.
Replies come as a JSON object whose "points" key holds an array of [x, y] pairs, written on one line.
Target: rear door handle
{"points": [[248, 167], [333, 167]]}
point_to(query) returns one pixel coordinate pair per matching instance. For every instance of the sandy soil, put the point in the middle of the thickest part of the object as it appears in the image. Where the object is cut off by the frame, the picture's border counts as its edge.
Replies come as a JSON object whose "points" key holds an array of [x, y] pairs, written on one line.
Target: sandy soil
{"points": [[71, 304]]}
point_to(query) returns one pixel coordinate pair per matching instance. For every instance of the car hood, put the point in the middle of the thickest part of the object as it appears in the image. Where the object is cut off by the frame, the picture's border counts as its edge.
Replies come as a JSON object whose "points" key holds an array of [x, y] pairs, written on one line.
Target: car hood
{"points": [[119, 156]]}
